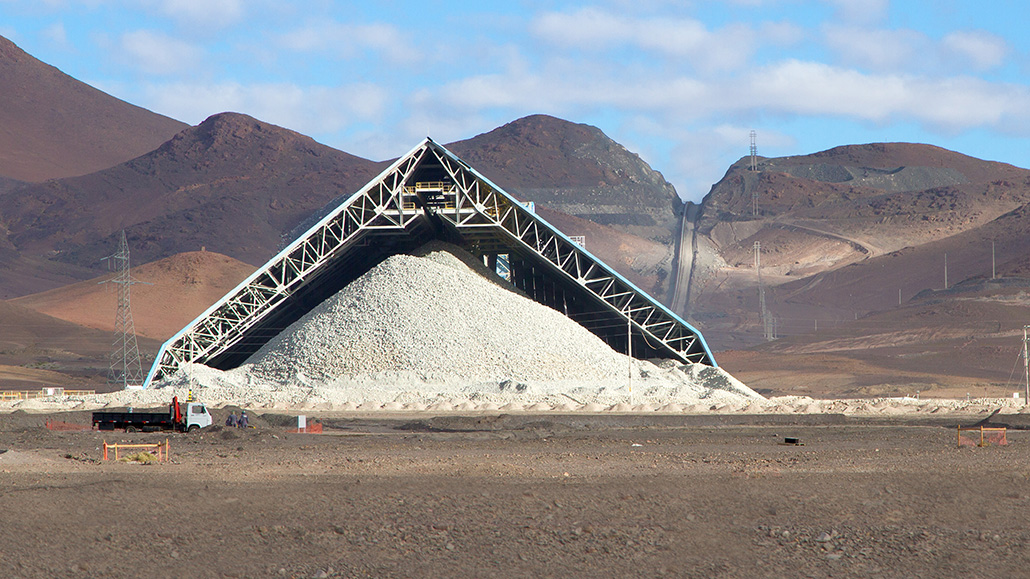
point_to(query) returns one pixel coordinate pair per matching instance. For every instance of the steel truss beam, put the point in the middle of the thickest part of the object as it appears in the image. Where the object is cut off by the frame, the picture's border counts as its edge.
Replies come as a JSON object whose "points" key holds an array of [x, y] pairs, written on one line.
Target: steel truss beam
{"points": [[429, 183]]}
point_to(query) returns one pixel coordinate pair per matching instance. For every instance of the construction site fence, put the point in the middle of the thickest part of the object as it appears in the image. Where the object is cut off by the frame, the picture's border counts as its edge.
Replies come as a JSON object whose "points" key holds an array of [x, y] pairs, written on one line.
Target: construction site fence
{"points": [[982, 436], [159, 449], [44, 393]]}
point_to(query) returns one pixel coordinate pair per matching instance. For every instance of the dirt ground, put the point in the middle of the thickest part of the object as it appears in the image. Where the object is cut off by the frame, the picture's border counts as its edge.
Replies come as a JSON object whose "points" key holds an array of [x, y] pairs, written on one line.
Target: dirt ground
{"points": [[519, 496]]}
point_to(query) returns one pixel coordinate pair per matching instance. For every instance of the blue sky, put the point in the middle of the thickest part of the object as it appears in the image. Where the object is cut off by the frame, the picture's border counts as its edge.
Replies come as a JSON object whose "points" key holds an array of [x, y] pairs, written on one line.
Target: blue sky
{"points": [[680, 83]]}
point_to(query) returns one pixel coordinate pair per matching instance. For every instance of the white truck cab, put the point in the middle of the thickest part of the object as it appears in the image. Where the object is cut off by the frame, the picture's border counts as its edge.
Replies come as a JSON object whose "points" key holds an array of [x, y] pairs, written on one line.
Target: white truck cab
{"points": [[197, 416]]}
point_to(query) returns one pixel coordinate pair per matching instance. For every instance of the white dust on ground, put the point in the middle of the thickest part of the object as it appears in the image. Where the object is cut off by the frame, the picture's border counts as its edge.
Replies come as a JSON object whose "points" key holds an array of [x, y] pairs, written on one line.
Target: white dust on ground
{"points": [[434, 334]]}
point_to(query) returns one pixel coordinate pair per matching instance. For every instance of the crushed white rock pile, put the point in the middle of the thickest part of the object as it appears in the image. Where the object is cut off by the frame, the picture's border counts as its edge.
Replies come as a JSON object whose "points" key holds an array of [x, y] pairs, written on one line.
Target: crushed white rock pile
{"points": [[436, 319], [433, 332]]}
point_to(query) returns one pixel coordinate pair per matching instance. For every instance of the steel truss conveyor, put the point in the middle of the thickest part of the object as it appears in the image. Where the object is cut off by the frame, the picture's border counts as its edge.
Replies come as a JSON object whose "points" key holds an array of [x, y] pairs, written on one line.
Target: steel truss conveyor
{"points": [[429, 194]]}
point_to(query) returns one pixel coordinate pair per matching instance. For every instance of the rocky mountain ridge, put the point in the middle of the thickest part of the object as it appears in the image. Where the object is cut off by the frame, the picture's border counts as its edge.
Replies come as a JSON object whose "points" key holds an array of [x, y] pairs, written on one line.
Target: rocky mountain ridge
{"points": [[576, 169], [858, 245]]}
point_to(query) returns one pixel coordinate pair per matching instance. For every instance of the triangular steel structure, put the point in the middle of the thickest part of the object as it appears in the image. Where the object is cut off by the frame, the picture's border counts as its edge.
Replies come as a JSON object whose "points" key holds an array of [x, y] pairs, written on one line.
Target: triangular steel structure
{"points": [[429, 194]]}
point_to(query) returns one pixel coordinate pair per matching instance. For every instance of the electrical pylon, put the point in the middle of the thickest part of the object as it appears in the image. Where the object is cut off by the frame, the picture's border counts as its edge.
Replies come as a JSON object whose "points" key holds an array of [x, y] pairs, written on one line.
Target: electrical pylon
{"points": [[126, 368], [753, 166]]}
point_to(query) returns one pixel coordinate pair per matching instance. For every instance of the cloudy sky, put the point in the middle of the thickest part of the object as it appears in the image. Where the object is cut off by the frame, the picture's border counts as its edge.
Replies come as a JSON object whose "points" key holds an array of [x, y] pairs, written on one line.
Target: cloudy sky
{"points": [[681, 83]]}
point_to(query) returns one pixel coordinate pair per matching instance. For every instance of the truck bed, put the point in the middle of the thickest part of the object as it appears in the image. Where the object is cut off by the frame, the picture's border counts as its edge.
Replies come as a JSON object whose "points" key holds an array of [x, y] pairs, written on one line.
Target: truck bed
{"points": [[141, 420]]}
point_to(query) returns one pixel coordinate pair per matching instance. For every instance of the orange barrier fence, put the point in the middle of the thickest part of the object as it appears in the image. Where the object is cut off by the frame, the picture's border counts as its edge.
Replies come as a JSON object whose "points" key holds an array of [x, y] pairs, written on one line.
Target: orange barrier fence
{"points": [[982, 436], [158, 447]]}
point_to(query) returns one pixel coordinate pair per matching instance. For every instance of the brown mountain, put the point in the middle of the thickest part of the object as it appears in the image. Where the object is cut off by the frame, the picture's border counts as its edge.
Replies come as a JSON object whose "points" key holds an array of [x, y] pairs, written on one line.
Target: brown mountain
{"points": [[576, 169], [827, 220], [174, 291], [854, 242], [232, 184], [63, 337], [55, 126]]}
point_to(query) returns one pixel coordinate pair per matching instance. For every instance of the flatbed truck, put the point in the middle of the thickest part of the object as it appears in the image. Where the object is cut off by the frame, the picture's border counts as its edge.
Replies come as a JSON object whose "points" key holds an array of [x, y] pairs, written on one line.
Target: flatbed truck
{"points": [[182, 417]]}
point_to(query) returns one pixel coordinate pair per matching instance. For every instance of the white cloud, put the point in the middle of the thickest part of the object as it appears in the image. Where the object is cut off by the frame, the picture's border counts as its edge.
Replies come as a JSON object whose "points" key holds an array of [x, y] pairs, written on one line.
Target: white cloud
{"points": [[56, 34], [908, 50], [587, 28], [312, 110], [352, 40], [157, 53], [861, 11], [950, 103], [982, 50], [675, 38], [781, 33], [790, 88], [203, 13], [879, 49], [809, 88]]}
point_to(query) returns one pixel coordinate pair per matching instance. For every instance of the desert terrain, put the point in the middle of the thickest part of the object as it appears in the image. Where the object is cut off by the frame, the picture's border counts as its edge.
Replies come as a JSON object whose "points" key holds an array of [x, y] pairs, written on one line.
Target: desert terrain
{"points": [[519, 496], [878, 356]]}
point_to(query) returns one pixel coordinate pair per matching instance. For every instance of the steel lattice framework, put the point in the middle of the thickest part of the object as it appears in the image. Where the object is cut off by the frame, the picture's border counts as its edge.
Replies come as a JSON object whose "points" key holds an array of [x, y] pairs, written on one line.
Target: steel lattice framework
{"points": [[430, 194]]}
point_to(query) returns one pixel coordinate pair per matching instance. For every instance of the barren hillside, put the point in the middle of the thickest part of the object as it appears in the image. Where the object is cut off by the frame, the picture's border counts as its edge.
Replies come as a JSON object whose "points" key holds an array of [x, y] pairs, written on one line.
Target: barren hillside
{"points": [[232, 184], [37, 350], [855, 259], [55, 126], [576, 169], [842, 231], [174, 291]]}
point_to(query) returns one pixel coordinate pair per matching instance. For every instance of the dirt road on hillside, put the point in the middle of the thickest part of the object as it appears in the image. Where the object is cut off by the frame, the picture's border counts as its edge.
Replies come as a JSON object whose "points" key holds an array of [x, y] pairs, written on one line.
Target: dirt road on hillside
{"points": [[529, 496]]}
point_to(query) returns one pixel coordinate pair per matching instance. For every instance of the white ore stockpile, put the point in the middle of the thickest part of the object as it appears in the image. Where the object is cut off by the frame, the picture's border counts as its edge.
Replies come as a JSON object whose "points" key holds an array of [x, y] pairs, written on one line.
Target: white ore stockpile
{"points": [[431, 331]]}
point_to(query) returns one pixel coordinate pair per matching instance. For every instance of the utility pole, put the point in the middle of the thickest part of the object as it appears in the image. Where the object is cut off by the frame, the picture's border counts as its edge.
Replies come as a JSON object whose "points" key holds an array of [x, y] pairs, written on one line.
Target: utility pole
{"points": [[126, 369], [1026, 367], [993, 263], [945, 271], [629, 354], [766, 326]]}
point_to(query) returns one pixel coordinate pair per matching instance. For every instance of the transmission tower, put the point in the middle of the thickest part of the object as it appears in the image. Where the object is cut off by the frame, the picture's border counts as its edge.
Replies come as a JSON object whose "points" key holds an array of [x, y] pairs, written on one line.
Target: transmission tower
{"points": [[754, 152], [767, 330], [126, 369], [754, 167]]}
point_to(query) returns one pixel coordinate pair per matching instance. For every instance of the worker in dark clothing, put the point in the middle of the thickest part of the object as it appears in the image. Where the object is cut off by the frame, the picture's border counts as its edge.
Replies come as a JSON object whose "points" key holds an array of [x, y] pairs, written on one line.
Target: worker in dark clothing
{"points": [[243, 419], [232, 420]]}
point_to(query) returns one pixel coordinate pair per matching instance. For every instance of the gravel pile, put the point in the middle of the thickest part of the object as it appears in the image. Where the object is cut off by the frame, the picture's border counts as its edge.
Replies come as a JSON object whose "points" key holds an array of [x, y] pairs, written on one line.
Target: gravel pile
{"points": [[437, 331], [434, 318]]}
